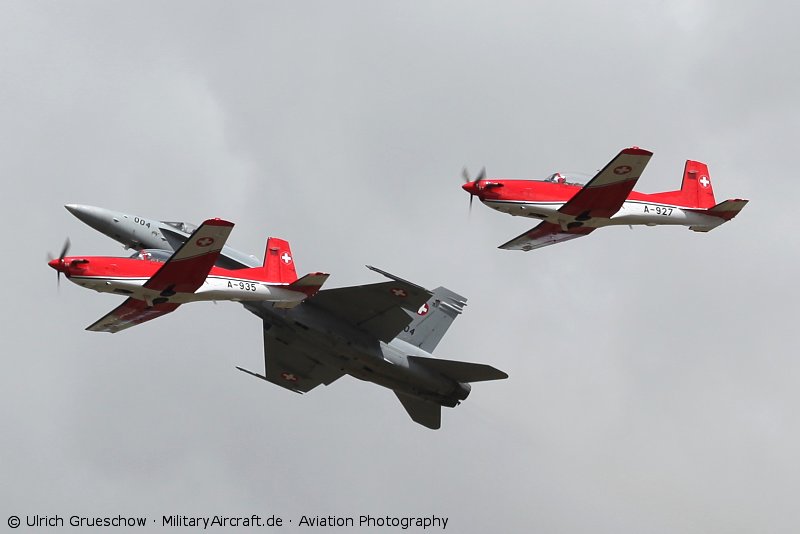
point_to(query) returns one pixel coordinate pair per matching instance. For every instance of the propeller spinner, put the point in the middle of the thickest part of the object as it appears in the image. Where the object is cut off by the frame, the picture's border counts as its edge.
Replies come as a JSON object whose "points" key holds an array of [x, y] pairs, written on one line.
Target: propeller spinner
{"points": [[472, 186], [58, 263]]}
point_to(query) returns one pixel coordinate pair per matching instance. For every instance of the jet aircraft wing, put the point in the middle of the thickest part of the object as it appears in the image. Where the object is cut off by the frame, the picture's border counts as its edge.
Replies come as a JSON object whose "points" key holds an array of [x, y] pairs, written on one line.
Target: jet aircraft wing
{"points": [[602, 196], [184, 272], [290, 367], [378, 309]]}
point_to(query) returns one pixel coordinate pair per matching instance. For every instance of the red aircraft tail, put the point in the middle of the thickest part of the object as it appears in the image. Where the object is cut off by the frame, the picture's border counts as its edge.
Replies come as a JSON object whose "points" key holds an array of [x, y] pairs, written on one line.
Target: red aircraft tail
{"points": [[279, 262], [696, 189]]}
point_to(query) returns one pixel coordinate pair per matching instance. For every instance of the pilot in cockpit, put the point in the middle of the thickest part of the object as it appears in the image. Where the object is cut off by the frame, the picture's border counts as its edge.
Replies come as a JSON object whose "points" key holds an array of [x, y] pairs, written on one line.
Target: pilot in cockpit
{"points": [[152, 255], [557, 178]]}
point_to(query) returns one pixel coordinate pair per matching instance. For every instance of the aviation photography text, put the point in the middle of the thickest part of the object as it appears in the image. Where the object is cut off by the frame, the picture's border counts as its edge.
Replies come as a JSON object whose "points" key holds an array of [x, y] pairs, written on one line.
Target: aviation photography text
{"points": [[228, 522]]}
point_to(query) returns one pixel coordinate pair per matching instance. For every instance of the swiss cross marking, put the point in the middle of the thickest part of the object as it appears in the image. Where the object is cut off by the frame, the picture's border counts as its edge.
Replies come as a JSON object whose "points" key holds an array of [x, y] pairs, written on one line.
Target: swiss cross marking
{"points": [[285, 258], [423, 310], [704, 181], [622, 169], [289, 376], [204, 241], [399, 292]]}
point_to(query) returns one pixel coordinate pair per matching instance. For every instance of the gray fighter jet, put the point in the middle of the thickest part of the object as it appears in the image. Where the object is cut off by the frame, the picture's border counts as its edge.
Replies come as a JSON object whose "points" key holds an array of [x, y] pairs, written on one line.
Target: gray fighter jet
{"points": [[382, 333]]}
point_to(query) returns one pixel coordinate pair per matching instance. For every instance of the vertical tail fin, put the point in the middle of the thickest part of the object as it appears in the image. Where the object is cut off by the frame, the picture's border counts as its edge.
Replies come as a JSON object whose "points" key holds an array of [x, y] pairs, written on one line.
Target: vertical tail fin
{"points": [[696, 188], [279, 262], [433, 319]]}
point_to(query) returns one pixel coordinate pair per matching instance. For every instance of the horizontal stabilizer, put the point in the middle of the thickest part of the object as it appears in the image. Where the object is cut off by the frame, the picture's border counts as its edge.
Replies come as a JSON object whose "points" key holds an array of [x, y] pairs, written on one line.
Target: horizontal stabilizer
{"points": [[728, 209], [460, 371], [309, 284], [421, 411], [725, 210]]}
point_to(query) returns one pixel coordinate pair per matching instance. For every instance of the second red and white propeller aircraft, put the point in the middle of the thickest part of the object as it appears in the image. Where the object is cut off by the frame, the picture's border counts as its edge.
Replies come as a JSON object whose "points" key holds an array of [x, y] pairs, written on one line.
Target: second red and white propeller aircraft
{"points": [[157, 282], [569, 210]]}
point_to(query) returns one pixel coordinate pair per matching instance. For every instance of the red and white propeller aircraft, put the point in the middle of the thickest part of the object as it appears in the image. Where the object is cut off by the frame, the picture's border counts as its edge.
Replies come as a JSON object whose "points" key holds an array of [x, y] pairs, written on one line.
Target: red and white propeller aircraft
{"points": [[157, 281], [569, 210]]}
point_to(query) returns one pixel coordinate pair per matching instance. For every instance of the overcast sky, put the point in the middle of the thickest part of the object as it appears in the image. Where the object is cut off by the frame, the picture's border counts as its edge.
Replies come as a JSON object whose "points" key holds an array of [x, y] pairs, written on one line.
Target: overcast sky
{"points": [[653, 376]]}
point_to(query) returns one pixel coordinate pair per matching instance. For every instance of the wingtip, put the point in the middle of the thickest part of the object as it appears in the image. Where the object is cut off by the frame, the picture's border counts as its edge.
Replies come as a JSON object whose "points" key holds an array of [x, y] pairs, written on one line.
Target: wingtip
{"points": [[636, 151], [218, 222]]}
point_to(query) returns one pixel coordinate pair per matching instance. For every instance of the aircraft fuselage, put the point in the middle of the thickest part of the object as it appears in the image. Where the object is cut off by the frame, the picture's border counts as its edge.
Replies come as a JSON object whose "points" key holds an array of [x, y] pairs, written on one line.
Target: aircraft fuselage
{"points": [[127, 276], [542, 200]]}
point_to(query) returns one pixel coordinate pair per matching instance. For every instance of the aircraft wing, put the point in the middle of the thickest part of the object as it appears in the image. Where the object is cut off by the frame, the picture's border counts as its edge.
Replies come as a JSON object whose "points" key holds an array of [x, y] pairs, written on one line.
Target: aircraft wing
{"points": [[184, 272], [188, 268], [130, 313], [604, 194], [291, 368], [378, 309], [545, 234]]}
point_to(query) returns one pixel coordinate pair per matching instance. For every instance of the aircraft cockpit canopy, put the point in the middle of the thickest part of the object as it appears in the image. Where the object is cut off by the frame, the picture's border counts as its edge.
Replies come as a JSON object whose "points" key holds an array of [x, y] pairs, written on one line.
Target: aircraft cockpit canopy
{"points": [[186, 228], [152, 254], [562, 178]]}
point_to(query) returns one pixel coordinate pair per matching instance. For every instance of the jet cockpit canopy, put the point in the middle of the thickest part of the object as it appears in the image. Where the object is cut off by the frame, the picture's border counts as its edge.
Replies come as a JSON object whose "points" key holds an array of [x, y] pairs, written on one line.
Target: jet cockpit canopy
{"points": [[184, 227]]}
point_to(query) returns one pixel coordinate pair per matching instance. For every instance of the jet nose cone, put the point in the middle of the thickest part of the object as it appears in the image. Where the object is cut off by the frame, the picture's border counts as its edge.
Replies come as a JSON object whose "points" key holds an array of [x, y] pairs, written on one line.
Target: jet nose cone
{"points": [[97, 218]]}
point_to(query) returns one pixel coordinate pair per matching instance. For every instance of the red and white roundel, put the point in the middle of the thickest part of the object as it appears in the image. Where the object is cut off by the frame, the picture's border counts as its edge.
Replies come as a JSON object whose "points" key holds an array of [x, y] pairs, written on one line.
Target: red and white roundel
{"points": [[622, 169], [205, 242], [289, 376], [399, 292], [423, 310]]}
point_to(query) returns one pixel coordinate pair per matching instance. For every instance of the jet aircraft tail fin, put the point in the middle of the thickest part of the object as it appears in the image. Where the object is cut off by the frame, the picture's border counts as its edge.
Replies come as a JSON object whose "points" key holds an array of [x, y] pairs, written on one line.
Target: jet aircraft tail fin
{"points": [[432, 319], [279, 262], [426, 413]]}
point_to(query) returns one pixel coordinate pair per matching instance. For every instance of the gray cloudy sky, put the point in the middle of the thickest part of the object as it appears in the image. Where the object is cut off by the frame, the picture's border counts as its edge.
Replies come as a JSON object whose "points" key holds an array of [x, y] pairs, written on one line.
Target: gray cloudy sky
{"points": [[653, 375]]}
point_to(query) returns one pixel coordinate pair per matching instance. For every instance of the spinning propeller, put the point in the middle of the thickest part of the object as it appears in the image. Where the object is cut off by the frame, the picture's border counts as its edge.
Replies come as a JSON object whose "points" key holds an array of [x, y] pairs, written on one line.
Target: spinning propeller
{"points": [[472, 186], [58, 263]]}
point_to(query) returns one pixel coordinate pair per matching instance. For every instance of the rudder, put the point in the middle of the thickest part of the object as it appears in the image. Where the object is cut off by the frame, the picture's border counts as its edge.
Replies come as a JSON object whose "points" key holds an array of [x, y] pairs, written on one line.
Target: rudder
{"points": [[279, 262], [432, 319], [696, 188]]}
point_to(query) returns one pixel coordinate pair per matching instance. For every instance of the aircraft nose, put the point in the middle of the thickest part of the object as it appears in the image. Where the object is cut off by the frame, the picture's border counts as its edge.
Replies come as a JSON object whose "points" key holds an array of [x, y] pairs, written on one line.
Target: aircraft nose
{"points": [[470, 188], [97, 218], [58, 265]]}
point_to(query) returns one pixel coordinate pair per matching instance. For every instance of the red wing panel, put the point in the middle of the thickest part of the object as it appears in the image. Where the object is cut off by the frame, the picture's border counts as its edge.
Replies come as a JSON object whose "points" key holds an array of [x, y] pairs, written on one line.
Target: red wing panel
{"points": [[187, 269], [604, 195], [130, 313], [543, 235]]}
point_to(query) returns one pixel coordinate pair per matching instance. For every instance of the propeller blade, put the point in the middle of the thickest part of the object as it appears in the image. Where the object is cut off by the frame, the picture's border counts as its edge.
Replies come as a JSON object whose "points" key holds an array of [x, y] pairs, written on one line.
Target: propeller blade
{"points": [[465, 175], [471, 198], [481, 175], [64, 250]]}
